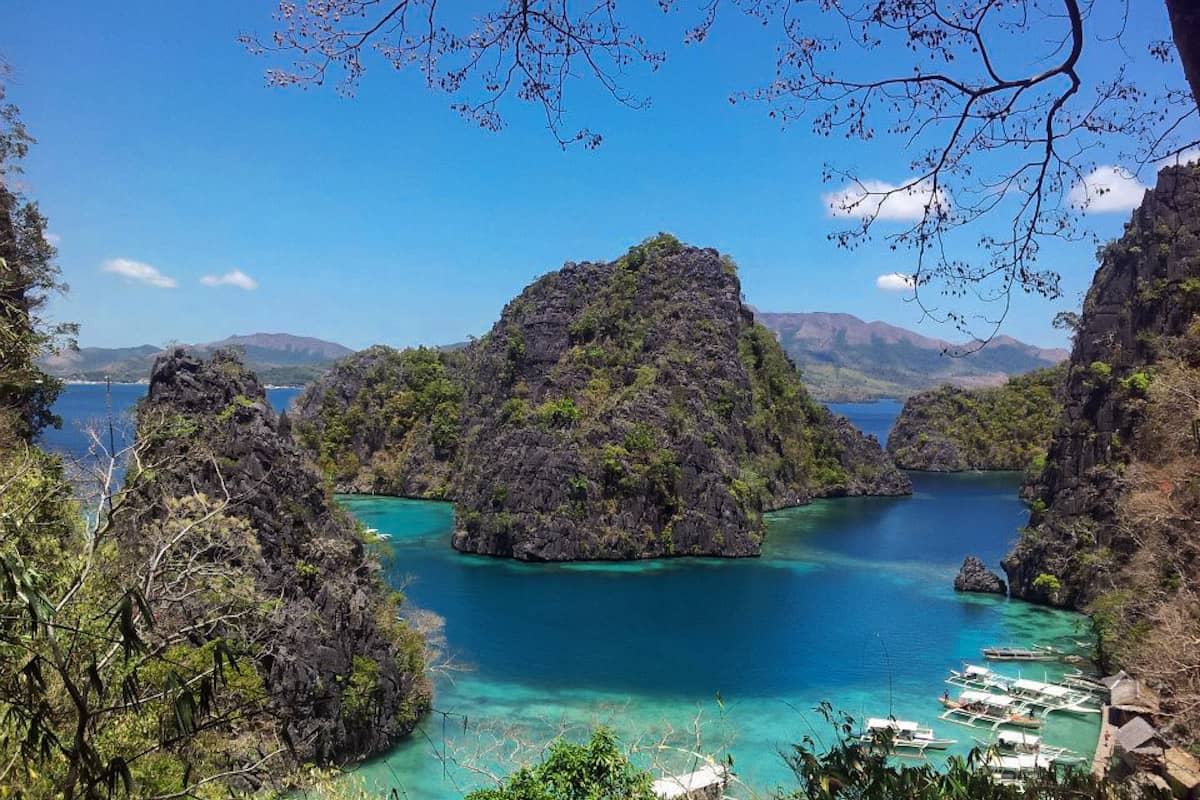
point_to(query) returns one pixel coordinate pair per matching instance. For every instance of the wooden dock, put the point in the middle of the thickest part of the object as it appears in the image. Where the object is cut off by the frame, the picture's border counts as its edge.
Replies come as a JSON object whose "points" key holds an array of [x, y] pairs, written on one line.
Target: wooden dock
{"points": [[1104, 745]]}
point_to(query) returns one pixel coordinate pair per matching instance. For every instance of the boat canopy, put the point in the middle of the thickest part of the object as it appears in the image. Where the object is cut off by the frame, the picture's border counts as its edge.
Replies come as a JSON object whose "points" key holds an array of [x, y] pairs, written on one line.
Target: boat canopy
{"points": [[1016, 737], [1047, 689], [973, 669], [998, 700], [875, 723]]}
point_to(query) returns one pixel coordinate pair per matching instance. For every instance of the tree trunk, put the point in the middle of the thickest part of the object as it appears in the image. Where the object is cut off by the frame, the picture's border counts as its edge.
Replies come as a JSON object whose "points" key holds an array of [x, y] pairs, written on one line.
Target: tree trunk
{"points": [[1185, 30]]}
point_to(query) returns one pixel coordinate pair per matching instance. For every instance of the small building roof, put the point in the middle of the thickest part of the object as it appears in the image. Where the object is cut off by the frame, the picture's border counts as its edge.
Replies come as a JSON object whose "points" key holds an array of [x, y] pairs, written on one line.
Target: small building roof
{"points": [[1112, 680], [1133, 695], [1182, 768], [1135, 734]]}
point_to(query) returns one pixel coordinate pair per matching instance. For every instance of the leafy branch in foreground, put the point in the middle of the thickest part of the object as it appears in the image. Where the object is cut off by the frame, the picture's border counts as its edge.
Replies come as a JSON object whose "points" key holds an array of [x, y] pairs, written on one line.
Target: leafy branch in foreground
{"points": [[851, 768], [1002, 107], [103, 688]]}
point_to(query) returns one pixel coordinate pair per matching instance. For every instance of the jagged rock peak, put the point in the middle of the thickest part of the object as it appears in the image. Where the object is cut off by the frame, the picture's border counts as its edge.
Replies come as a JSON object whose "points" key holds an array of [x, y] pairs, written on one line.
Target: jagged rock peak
{"points": [[623, 409], [344, 677], [974, 576]]}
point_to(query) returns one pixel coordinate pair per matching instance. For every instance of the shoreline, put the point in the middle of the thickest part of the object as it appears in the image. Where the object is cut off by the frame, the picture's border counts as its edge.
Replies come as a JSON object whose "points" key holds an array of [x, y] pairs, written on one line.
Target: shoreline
{"points": [[67, 382]]}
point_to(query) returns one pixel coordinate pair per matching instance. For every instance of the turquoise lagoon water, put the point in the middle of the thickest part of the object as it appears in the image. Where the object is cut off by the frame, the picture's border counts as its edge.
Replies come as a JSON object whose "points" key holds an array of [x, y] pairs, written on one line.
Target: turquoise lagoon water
{"points": [[851, 603]]}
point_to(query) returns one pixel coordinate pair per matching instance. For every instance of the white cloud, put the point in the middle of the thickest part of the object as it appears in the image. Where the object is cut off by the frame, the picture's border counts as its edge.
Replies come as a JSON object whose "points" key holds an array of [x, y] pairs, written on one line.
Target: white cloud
{"points": [[895, 282], [138, 271], [865, 198], [54, 239], [235, 277], [1107, 189]]}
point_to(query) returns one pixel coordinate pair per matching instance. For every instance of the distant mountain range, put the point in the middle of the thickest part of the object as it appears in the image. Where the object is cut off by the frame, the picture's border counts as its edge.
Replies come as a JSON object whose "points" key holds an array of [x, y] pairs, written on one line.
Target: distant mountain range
{"points": [[844, 358], [278, 358]]}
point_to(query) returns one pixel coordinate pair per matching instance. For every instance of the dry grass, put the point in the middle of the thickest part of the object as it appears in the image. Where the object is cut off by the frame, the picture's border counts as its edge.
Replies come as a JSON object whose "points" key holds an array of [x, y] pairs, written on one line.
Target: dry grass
{"points": [[1156, 623]]}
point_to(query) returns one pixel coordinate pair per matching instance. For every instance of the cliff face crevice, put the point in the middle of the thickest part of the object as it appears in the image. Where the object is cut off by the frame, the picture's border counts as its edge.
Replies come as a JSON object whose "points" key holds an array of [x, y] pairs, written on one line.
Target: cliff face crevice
{"points": [[343, 676], [1115, 528], [630, 409]]}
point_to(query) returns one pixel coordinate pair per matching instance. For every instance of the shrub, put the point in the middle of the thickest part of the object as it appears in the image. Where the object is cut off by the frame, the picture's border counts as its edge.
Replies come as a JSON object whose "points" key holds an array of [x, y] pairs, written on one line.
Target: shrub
{"points": [[1137, 383], [1100, 371], [640, 438], [516, 347], [1050, 584], [577, 488], [359, 690], [514, 410], [561, 413], [597, 770]]}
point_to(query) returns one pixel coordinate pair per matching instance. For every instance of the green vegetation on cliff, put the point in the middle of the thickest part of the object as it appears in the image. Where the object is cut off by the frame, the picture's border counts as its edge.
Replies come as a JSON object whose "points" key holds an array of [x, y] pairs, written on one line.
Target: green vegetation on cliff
{"points": [[1007, 427], [616, 410], [378, 414], [1115, 528], [211, 625]]}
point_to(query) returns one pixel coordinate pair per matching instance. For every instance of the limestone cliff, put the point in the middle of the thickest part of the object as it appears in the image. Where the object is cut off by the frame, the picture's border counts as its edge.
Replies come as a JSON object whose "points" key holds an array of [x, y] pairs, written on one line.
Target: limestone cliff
{"points": [[343, 677], [951, 429], [1116, 522], [630, 409]]}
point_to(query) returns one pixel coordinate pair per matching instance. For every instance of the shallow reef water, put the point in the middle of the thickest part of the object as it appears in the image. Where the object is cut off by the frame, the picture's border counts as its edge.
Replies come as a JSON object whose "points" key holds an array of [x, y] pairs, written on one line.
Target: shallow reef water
{"points": [[851, 603]]}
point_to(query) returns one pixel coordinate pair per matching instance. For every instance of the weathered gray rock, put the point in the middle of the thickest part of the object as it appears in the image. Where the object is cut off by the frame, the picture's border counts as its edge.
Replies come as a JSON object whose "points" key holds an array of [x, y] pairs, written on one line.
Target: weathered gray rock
{"points": [[630, 409], [208, 426], [974, 576], [1143, 295]]}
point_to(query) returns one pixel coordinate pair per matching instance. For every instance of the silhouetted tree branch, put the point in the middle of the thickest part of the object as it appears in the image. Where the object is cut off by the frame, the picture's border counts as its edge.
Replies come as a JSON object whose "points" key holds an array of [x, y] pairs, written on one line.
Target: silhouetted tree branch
{"points": [[998, 120]]}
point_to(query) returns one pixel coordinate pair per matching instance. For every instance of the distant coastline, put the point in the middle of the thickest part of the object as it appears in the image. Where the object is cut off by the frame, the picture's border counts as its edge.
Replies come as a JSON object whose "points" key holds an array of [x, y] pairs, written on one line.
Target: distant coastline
{"points": [[69, 382]]}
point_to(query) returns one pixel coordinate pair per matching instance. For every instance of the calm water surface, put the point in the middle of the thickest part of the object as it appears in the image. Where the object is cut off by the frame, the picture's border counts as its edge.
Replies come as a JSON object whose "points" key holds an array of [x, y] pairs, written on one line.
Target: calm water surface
{"points": [[851, 603]]}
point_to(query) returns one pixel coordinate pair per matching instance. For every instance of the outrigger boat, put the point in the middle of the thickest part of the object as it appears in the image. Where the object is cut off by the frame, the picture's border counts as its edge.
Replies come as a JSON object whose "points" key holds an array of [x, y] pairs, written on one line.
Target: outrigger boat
{"points": [[1039, 695], [973, 707], [1086, 683], [1036, 653], [1054, 697], [1012, 770], [905, 736], [1022, 743], [976, 677]]}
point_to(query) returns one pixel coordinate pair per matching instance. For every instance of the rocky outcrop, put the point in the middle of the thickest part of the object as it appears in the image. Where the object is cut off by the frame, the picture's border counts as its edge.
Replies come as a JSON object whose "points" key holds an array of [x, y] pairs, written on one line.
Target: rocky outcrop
{"points": [[384, 421], [974, 576], [1003, 428], [630, 409], [1145, 294], [1115, 528], [343, 676]]}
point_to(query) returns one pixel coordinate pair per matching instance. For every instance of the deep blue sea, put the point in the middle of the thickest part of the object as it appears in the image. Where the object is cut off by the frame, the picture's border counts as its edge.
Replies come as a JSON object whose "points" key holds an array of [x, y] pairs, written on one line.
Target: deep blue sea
{"points": [[851, 603], [84, 406]]}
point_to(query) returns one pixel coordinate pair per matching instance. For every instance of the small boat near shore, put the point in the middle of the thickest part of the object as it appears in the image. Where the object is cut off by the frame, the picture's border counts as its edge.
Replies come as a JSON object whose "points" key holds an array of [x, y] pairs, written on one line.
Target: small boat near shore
{"points": [[1023, 743], [1035, 653], [1039, 695], [1014, 769], [982, 709], [902, 737]]}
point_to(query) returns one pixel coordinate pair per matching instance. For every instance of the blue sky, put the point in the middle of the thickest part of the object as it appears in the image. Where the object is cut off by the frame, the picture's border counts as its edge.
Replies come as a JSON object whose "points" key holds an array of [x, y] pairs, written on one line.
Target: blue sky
{"points": [[386, 218]]}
